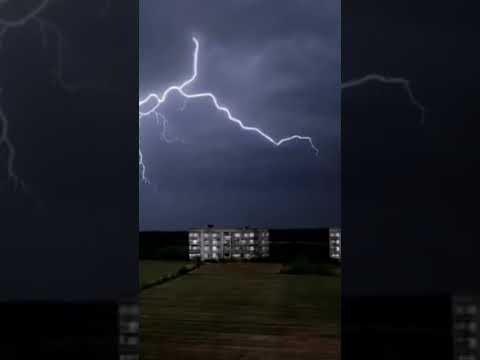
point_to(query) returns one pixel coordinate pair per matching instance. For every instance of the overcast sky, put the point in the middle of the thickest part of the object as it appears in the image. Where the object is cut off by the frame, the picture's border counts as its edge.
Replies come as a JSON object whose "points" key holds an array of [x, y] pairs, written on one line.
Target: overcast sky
{"points": [[276, 66], [71, 232]]}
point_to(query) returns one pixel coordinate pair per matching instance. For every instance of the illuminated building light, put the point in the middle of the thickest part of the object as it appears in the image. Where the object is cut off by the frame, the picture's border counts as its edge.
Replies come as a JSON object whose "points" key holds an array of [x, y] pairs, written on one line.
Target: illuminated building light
{"points": [[211, 250]]}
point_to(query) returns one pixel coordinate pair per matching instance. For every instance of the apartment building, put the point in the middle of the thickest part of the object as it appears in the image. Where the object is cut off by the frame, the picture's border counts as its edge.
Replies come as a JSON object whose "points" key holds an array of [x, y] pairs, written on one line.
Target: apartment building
{"points": [[235, 243], [466, 334], [335, 237], [128, 330]]}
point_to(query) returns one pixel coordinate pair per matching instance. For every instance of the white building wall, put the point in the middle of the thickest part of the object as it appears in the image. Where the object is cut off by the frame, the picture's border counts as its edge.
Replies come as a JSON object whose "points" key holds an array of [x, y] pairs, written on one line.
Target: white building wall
{"points": [[216, 244], [466, 332], [335, 243]]}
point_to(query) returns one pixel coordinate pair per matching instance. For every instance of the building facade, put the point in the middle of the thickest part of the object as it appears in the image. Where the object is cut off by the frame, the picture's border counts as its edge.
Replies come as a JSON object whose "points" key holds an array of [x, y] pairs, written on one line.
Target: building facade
{"points": [[128, 330], [466, 334], [335, 241], [235, 244]]}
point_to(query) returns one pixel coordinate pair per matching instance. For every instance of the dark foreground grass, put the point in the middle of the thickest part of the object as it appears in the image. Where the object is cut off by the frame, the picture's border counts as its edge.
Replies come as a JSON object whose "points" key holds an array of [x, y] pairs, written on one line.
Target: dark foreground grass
{"points": [[257, 314], [154, 270]]}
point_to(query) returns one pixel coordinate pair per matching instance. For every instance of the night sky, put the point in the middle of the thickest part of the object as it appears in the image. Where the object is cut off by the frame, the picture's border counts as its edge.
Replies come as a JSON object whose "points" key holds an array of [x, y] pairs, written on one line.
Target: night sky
{"points": [[71, 232], [276, 66], [410, 192]]}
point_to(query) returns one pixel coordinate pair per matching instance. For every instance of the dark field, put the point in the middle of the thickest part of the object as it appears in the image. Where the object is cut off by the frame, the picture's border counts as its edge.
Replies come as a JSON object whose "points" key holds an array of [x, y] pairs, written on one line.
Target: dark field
{"points": [[397, 327], [59, 330], [242, 311], [151, 270]]}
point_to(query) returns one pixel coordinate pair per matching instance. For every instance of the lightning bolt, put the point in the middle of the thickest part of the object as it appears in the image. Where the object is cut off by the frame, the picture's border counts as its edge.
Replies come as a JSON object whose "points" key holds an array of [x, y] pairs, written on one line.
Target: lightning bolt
{"points": [[184, 105], [162, 120], [159, 99], [6, 25], [44, 26], [143, 168], [5, 140], [405, 83]]}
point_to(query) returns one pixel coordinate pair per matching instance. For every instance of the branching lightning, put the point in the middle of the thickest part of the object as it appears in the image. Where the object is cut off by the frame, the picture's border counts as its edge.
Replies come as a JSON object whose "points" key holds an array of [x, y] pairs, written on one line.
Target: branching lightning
{"points": [[156, 99], [7, 25], [143, 169], [163, 122], [389, 80], [159, 99], [5, 141]]}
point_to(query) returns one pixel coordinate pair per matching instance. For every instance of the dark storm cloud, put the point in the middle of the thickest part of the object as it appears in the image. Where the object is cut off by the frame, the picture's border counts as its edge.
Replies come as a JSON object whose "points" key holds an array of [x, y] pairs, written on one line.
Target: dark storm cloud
{"points": [[72, 233], [410, 192], [276, 65]]}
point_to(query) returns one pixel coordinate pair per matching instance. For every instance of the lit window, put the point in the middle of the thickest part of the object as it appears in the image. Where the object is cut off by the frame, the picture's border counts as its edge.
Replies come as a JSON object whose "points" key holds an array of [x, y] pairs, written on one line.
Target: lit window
{"points": [[467, 357], [471, 310], [128, 310], [128, 340], [131, 327], [128, 357], [237, 234]]}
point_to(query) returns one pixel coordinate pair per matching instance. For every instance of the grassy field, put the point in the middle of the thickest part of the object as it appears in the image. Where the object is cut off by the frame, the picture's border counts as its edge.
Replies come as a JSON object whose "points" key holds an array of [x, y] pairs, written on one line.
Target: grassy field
{"points": [[152, 270], [242, 311]]}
